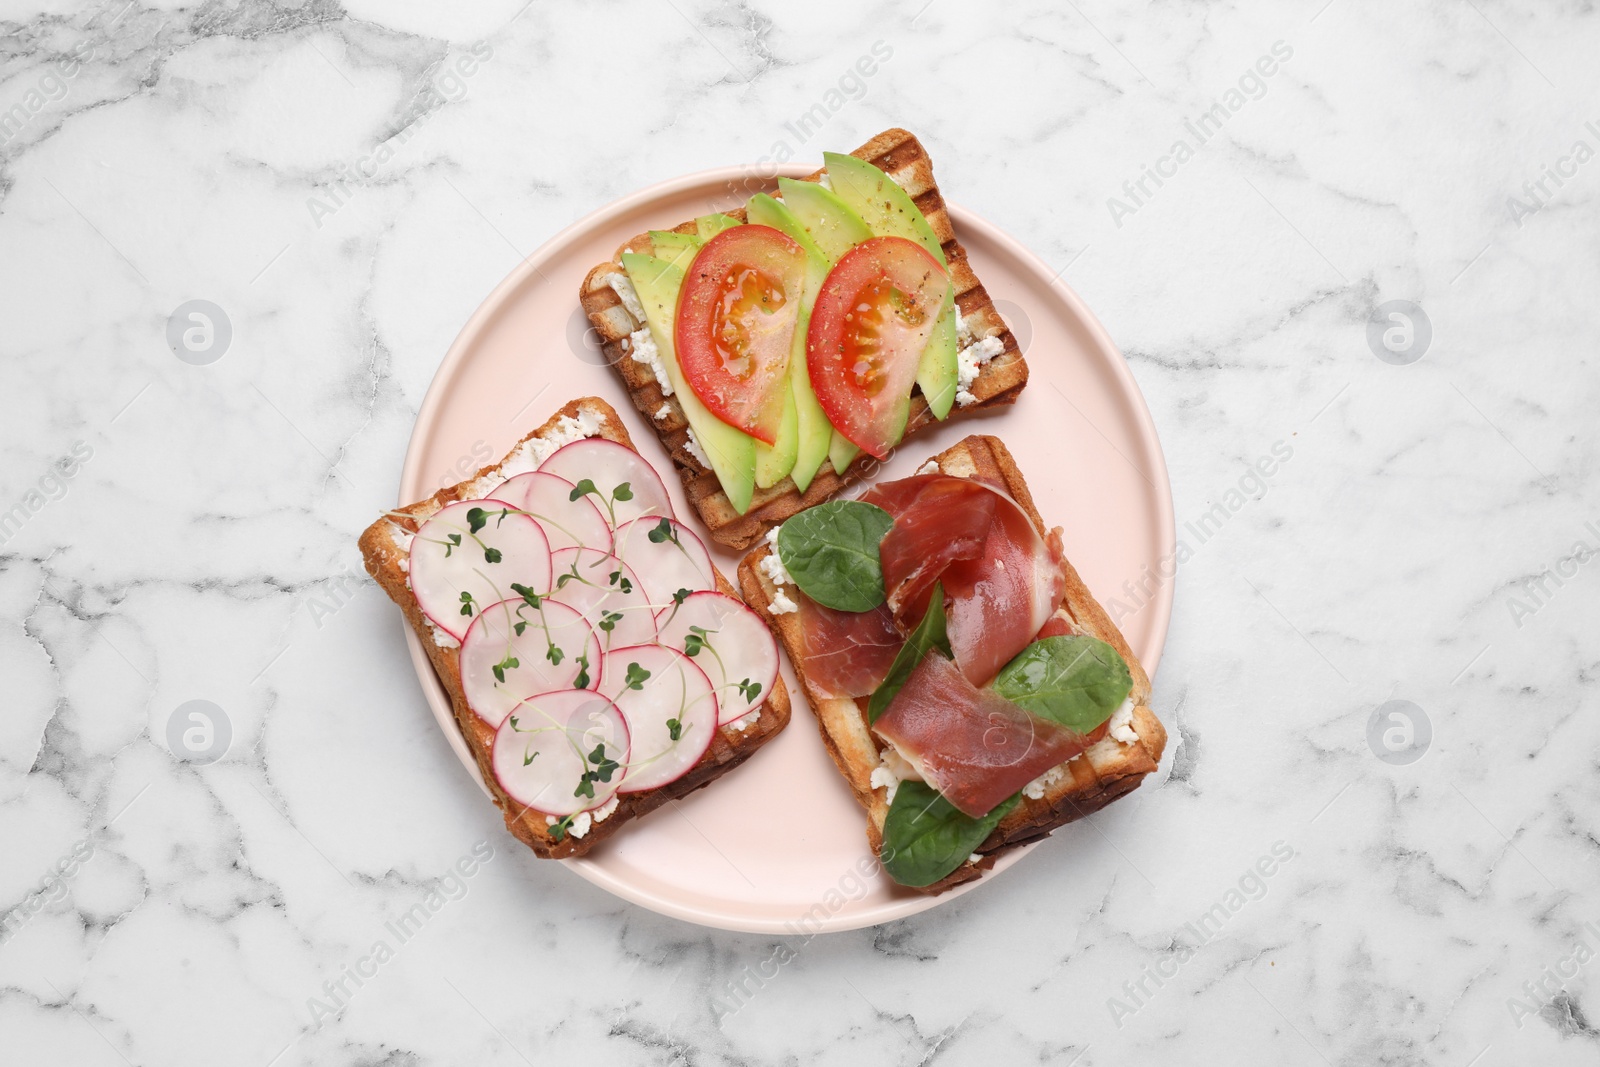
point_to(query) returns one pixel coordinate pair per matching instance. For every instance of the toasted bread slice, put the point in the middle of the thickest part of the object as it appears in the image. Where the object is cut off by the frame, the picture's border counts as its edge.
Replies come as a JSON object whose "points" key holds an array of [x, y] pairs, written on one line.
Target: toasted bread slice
{"points": [[902, 157], [1084, 784], [383, 548]]}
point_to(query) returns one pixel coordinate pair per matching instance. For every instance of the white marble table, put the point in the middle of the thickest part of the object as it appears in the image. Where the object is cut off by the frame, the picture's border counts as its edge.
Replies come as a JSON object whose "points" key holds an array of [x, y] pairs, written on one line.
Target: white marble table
{"points": [[321, 175]]}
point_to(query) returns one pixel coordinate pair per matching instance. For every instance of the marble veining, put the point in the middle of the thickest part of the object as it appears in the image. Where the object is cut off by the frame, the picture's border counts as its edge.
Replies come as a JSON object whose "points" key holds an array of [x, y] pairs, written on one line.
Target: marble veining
{"points": [[346, 182]]}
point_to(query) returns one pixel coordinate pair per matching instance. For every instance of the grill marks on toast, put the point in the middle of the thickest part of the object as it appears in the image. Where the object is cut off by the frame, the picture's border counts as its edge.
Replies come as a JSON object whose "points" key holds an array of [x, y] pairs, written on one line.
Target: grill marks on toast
{"points": [[729, 748], [1102, 774], [902, 157]]}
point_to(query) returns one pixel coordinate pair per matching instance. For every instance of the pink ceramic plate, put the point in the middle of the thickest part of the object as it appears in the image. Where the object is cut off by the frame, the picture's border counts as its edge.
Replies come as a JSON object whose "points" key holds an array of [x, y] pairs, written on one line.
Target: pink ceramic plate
{"points": [[779, 844]]}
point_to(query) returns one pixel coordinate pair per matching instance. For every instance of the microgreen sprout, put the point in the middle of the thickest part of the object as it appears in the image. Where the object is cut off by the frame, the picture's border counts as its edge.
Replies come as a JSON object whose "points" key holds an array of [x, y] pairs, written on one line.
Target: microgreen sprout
{"points": [[587, 487], [637, 676], [664, 531], [571, 575], [698, 640], [677, 602], [604, 767], [476, 517]]}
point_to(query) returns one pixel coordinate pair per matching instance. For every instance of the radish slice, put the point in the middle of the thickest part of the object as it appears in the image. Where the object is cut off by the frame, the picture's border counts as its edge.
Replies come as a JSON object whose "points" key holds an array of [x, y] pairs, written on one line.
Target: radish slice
{"points": [[667, 557], [660, 692], [607, 465], [548, 500], [455, 573], [557, 649], [607, 593], [730, 643], [561, 753]]}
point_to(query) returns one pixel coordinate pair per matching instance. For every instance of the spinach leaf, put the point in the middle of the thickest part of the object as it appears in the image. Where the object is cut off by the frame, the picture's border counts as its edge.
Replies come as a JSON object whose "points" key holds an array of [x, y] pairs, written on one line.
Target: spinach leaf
{"points": [[831, 552], [1075, 681], [925, 837], [929, 634]]}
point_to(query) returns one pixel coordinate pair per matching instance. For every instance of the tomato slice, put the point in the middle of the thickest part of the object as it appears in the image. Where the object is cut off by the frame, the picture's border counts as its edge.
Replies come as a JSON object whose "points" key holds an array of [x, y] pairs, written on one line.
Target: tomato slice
{"points": [[736, 318], [871, 322]]}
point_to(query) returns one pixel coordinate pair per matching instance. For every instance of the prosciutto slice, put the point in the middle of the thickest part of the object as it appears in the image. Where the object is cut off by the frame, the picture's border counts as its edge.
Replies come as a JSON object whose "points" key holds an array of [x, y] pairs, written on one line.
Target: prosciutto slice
{"points": [[847, 653], [1001, 588], [1058, 626], [937, 521], [972, 745], [1001, 599]]}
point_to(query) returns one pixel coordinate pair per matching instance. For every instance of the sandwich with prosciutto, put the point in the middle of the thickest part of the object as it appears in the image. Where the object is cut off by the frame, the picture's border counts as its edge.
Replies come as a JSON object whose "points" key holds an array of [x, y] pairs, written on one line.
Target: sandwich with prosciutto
{"points": [[968, 686]]}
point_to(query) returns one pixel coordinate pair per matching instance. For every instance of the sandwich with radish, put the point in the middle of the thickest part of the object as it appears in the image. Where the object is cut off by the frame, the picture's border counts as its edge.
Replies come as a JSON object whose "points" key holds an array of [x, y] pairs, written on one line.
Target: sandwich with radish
{"points": [[597, 662], [782, 348]]}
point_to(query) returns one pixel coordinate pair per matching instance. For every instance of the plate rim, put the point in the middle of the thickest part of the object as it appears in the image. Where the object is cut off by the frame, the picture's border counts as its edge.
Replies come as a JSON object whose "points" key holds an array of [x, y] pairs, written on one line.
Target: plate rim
{"points": [[428, 414]]}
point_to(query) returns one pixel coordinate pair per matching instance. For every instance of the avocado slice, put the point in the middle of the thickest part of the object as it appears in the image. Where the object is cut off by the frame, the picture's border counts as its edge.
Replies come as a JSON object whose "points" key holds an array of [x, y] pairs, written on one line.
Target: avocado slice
{"points": [[732, 452], [711, 225], [669, 244], [774, 462], [889, 212], [881, 204], [832, 226], [763, 210], [814, 432], [940, 367], [841, 452]]}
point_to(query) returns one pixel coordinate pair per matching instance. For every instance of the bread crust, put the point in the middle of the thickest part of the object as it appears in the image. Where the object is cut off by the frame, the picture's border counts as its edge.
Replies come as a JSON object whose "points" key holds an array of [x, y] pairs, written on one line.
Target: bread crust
{"points": [[998, 383], [383, 557], [1104, 772]]}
